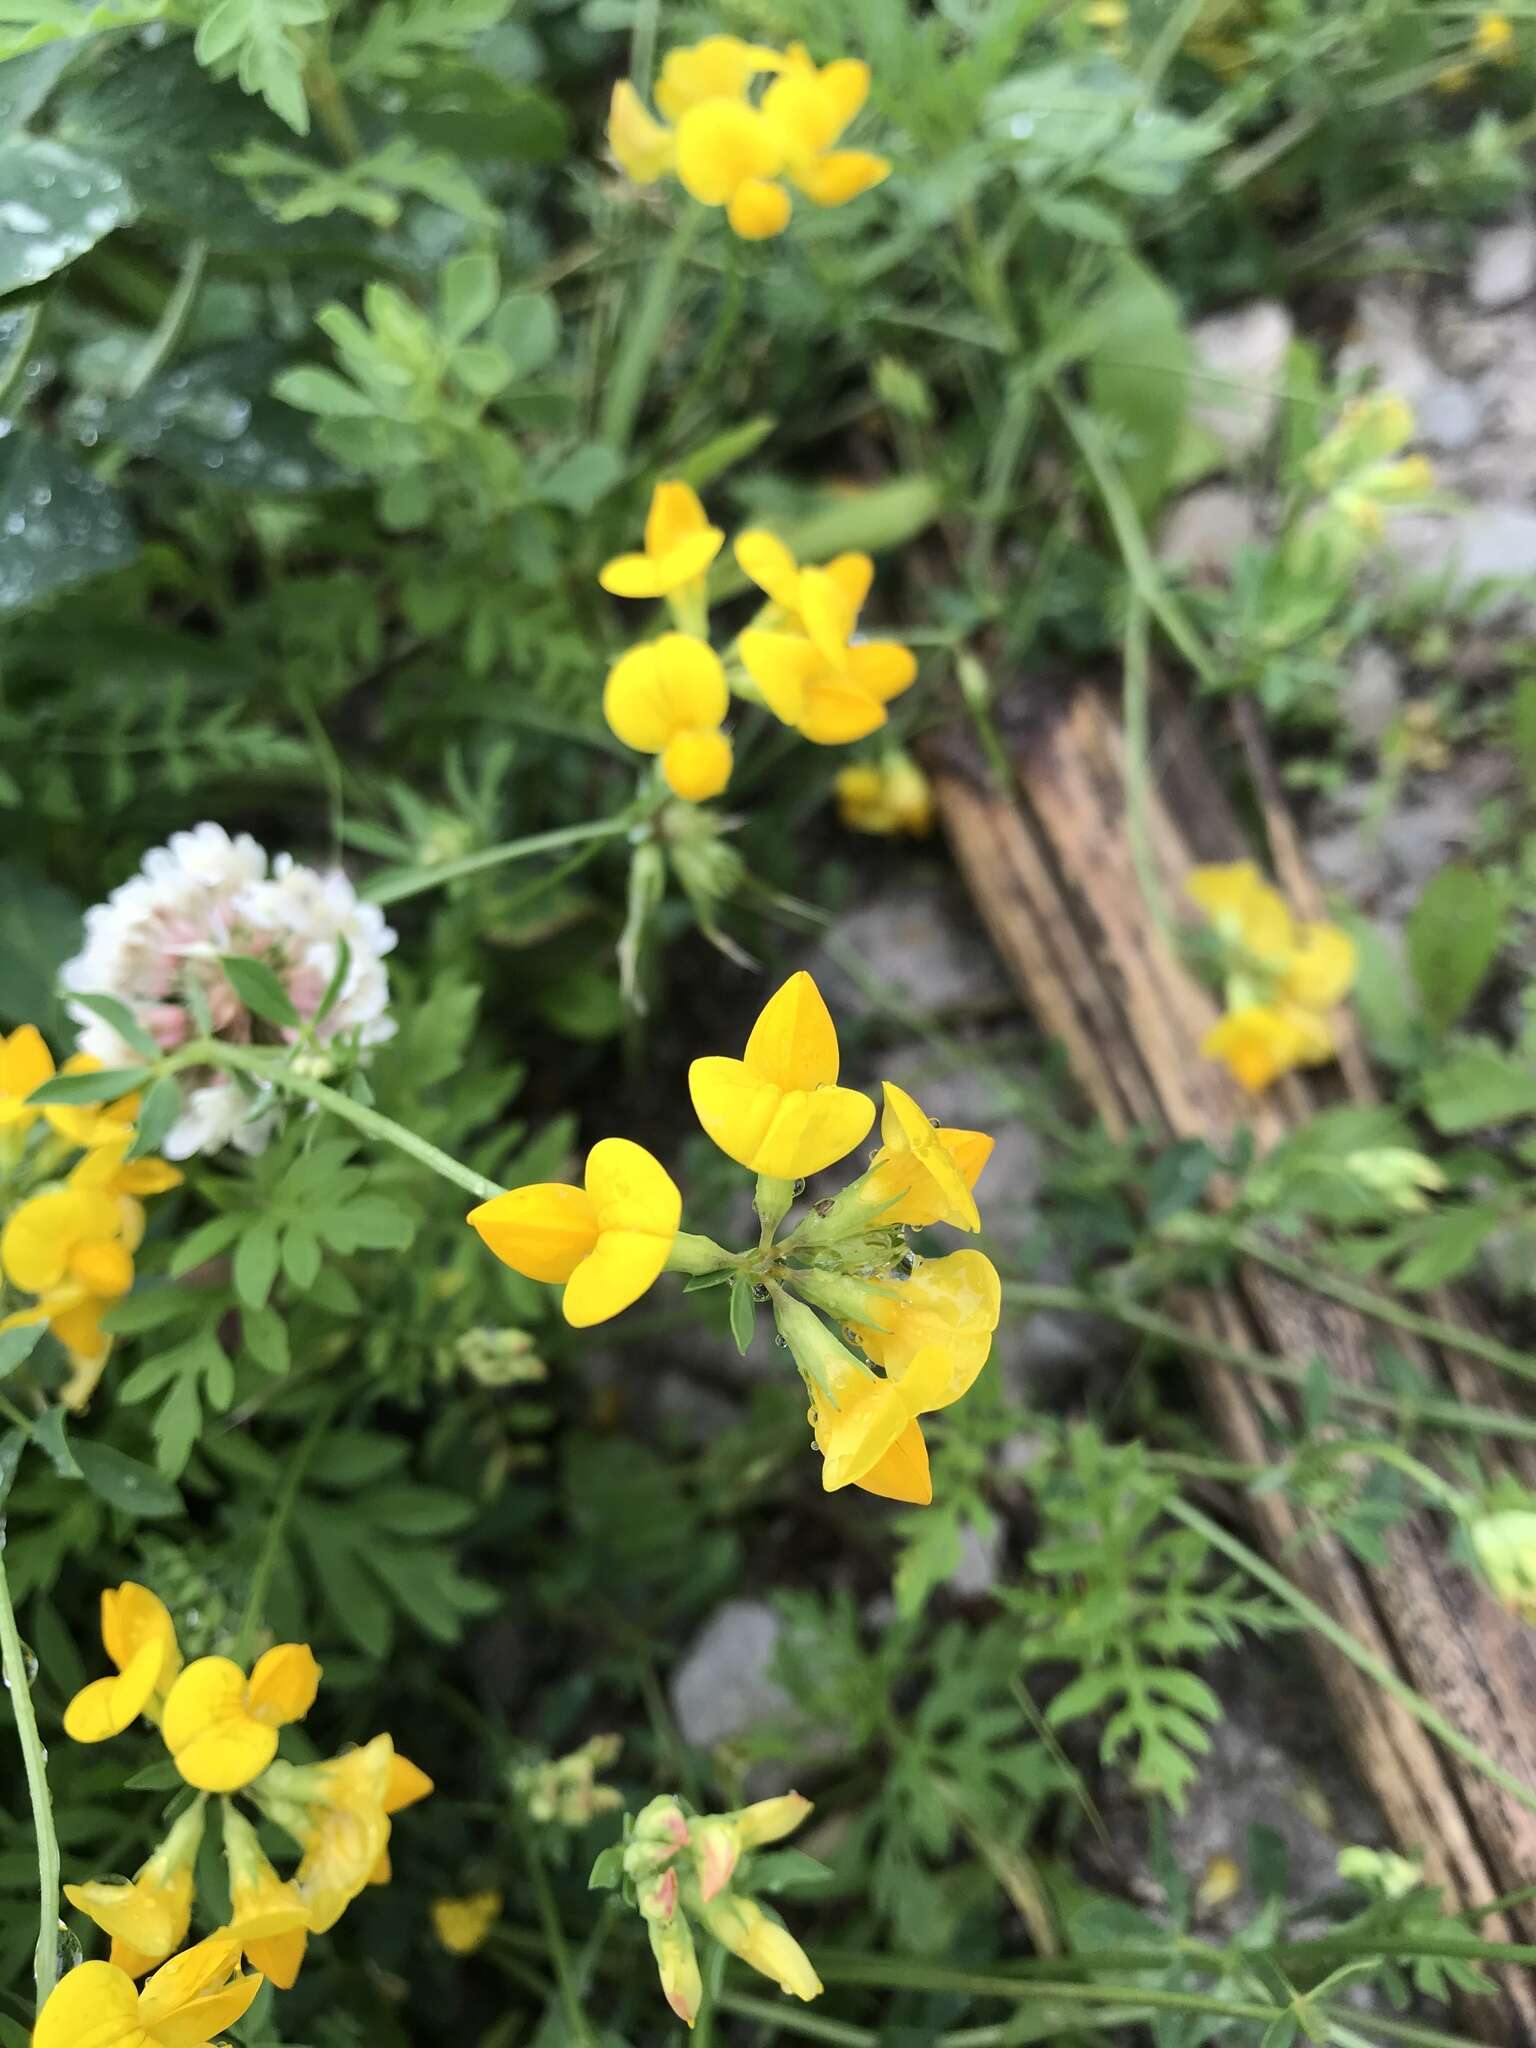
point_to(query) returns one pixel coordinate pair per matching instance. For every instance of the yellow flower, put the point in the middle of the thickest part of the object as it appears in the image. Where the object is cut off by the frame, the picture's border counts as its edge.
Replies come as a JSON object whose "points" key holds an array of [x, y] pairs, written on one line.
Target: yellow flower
{"points": [[719, 1840], [1495, 37], [338, 1812], [1261, 1041], [92, 1123], [405, 1784], [952, 1303], [221, 1727], [719, 67], [461, 1925], [606, 1242], [643, 149], [140, 1639], [886, 796], [765, 1945], [671, 1938], [809, 108], [730, 154], [778, 1109], [149, 1917], [267, 1916], [1247, 914], [186, 2004], [25, 1064], [923, 1173], [108, 1169], [68, 1236], [815, 676], [679, 546], [669, 698], [868, 1433]]}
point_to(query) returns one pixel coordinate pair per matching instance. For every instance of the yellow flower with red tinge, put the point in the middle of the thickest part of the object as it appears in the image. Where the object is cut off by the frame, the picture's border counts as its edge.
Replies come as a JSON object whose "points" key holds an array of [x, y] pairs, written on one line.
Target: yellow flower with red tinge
{"points": [[1281, 978], [727, 151]]}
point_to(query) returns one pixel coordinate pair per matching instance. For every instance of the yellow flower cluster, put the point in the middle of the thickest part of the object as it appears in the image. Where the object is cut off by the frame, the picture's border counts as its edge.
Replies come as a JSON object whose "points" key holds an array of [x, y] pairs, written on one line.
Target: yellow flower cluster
{"points": [[70, 1240], [924, 1327], [1493, 40], [221, 1728], [727, 150], [679, 1869], [1281, 978], [1361, 466], [802, 656], [888, 796]]}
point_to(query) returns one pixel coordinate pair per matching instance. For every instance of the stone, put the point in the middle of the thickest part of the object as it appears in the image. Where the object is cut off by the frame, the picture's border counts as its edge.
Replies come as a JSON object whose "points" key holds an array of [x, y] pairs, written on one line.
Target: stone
{"points": [[1246, 348], [722, 1687], [981, 1559], [1372, 696], [1385, 346], [1469, 546], [923, 946], [1204, 531], [1449, 415], [1503, 266], [1423, 833]]}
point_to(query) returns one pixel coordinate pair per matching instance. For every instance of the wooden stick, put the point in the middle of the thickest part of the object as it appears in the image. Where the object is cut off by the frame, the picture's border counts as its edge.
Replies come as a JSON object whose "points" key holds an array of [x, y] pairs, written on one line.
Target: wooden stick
{"points": [[1051, 873]]}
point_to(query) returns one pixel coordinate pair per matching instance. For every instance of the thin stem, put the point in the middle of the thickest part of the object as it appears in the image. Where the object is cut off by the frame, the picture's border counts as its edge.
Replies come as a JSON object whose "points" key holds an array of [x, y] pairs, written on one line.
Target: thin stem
{"points": [[1431, 1410], [172, 324], [577, 2025], [324, 91], [272, 1542], [18, 1683], [1365, 1660], [397, 883], [632, 365], [1322, 1280], [239, 1059], [1138, 746], [898, 1973]]}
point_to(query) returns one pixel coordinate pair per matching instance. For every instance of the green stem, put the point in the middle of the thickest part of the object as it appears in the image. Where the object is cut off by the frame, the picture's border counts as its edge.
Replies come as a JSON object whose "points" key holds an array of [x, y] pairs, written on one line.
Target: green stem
{"points": [[172, 323], [897, 1973], [632, 365], [18, 1683], [1365, 1660], [1440, 1414], [324, 91], [576, 2022], [1321, 1280], [1430, 1483], [239, 1059], [397, 883], [272, 1542]]}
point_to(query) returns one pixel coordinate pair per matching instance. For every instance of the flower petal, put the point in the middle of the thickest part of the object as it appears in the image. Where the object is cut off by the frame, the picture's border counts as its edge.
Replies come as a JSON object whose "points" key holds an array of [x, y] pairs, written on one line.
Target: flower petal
{"points": [[543, 1231], [717, 68], [735, 1105], [279, 1956], [675, 516], [110, 1705], [811, 1130], [641, 146], [905, 1130], [283, 1684], [844, 174], [784, 667], [1322, 967], [622, 1266], [630, 576], [836, 713], [192, 1975], [25, 1063], [794, 1041], [825, 613], [697, 764], [881, 668], [859, 1436], [1257, 1044], [688, 559], [38, 1238], [130, 1617], [720, 145], [407, 1784], [216, 1744], [199, 2023], [902, 1474], [94, 2006], [758, 210], [771, 566]]}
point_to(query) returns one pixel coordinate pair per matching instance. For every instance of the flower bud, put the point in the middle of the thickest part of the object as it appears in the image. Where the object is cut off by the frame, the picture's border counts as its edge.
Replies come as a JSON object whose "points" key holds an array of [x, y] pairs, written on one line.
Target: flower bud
{"points": [[660, 1830], [763, 1944], [677, 1965]]}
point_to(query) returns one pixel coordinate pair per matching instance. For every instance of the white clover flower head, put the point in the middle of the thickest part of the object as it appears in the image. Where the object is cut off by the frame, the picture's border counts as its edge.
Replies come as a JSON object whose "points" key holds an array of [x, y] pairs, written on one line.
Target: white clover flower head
{"points": [[161, 934]]}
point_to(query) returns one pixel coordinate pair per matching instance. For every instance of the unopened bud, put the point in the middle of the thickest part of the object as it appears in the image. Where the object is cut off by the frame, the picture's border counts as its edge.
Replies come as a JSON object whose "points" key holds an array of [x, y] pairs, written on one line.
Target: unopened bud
{"points": [[763, 1944], [677, 1965]]}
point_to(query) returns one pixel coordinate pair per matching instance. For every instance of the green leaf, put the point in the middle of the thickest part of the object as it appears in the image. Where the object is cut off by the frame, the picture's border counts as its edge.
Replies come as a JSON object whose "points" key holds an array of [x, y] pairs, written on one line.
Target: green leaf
{"points": [[257, 986], [255, 39], [55, 203], [122, 1020], [266, 1338], [1479, 1084], [61, 524], [1448, 1243], [104, 1086], [1137, 378], [1454, 932], [162, 1106], [255, 1265], [48, 1435], [125, 1483], [39, 930], [17, 1346], [607, 1873], [1523, 719], [743, 1311]]}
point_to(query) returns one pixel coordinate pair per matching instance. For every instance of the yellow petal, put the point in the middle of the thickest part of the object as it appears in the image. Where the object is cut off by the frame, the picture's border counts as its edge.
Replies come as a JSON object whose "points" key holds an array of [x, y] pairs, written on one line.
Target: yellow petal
{"points": [[631, 576], [904, 1130], [825, 613], [952, 1304], [1322, 968], [94, 2006], [720, 145], [697, 765], [406, 1784], [461, 1925], [758, 210], [845, 174], [673, 685], [103, 1267], [1257, 1044], [618, 1271], [631, 1190], [675, 517], [188, 1977], [38, 1238], [784, 667], [25, 1064], [543, 1231], [279, 1956], [641, 146], [836, 713], [734, 1105], [110, 1705], [902, 1474], [719, 67], [858, 1437], [881, 668], [216, 1744], [794, 1041], [844, 86], [811, 1130], [764, 557], [283, 1685], [199, 2023], [152, 1920], [131, 1615]]}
